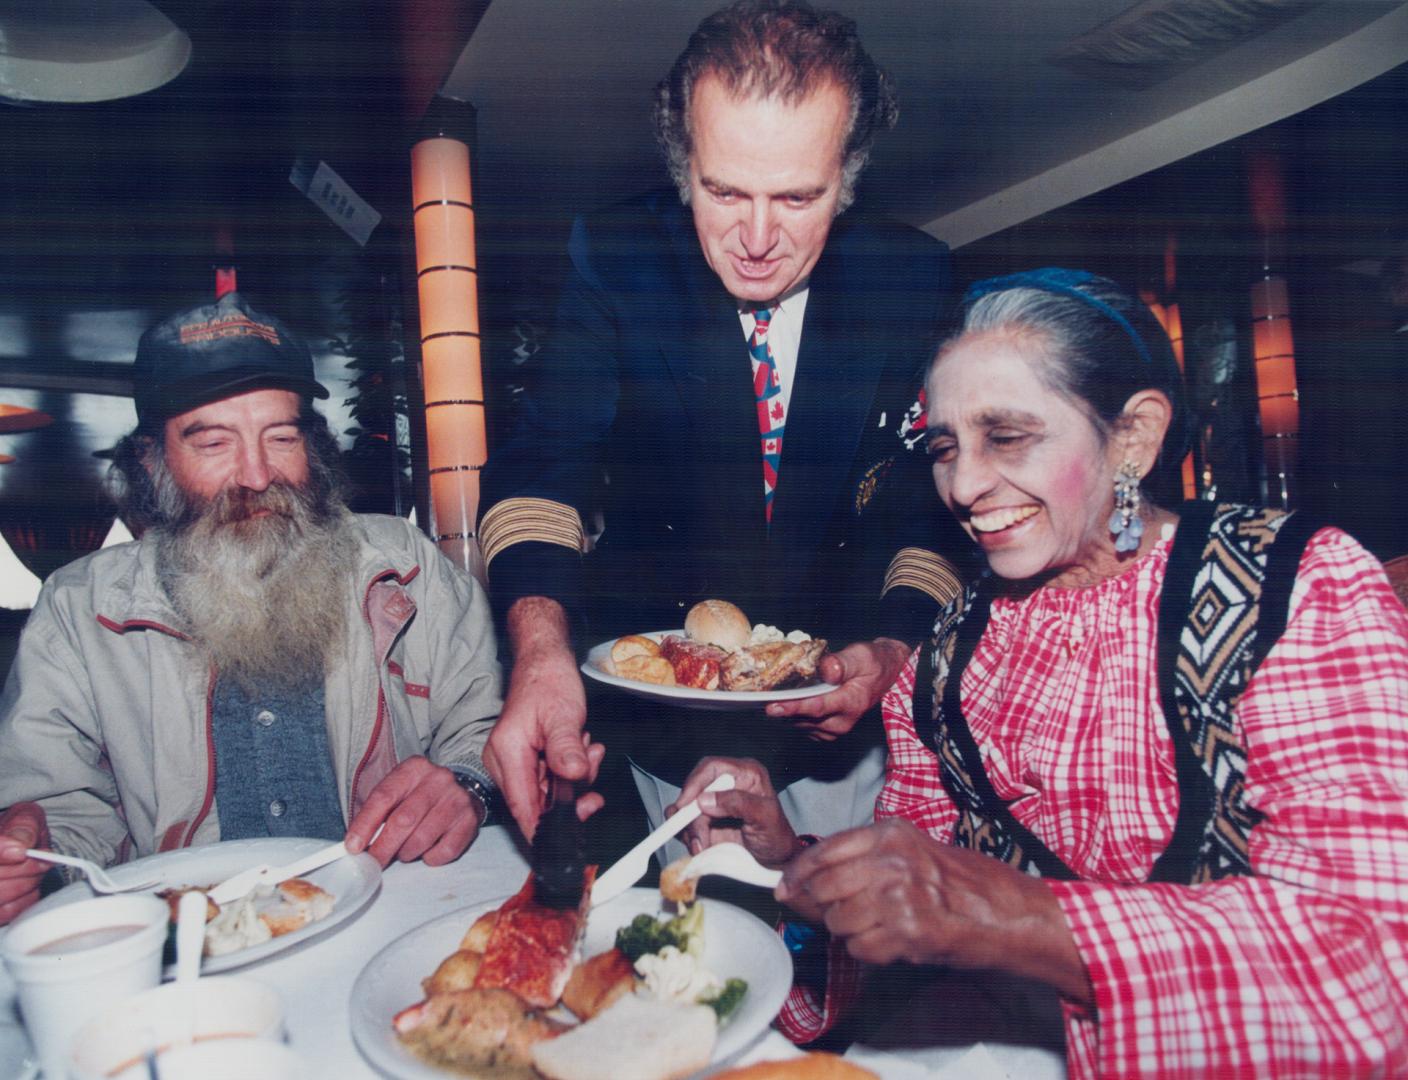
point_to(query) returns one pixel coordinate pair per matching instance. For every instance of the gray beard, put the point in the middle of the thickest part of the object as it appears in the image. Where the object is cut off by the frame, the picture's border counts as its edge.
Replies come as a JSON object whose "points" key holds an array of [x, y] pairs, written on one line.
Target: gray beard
{"points": [[264, 597]]}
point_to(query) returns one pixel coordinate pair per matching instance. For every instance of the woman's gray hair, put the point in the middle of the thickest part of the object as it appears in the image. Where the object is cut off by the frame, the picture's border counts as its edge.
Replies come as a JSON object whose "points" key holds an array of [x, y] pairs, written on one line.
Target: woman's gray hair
{"points": [[1100, 345], [762, 48]]}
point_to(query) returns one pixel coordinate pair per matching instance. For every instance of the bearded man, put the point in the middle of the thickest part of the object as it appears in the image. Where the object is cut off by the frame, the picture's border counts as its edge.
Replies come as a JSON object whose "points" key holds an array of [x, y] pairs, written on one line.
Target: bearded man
{"points": [[262, 662]]}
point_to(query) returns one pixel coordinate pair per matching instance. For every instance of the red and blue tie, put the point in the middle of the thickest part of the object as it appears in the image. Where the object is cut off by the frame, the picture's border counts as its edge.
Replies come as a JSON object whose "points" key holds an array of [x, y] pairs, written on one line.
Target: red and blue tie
{"points": [[772, 413]]}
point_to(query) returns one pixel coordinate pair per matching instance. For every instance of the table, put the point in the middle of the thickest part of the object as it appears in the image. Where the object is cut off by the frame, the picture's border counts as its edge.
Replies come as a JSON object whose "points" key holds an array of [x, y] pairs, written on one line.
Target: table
{"points": [[315, 978]]}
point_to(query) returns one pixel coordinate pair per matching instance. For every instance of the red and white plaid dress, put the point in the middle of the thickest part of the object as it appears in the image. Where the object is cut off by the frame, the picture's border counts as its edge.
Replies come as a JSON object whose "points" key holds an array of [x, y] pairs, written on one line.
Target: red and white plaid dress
{"points": [[1301, 970]]}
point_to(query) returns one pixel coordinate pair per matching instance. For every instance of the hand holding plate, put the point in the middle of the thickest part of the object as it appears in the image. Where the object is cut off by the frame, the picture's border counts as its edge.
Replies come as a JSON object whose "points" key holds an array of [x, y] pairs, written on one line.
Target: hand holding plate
{"points": [[860, 674]]}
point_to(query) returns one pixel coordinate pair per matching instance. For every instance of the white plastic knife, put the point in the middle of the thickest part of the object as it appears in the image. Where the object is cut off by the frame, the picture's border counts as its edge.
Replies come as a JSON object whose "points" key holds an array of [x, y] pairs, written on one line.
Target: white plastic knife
{"points": [[631, 867], [264, 874]]}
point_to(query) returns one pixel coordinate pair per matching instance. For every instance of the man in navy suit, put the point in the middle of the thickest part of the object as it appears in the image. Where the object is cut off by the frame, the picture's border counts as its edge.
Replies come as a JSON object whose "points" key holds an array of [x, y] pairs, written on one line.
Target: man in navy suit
{"points": [[684, 316]]}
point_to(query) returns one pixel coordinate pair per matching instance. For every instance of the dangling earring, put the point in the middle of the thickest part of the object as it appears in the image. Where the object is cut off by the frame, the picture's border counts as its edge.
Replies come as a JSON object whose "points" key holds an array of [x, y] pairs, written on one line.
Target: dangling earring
{"points": [[1125, 523]]}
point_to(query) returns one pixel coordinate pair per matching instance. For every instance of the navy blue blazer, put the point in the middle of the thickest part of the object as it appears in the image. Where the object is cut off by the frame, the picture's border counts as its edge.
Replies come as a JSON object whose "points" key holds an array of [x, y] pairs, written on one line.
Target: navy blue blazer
{"points": [[641, 403]]}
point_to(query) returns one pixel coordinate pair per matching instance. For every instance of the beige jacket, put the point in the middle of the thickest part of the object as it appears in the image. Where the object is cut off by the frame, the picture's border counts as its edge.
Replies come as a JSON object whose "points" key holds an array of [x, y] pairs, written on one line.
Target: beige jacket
{"points": [[105, 720]]}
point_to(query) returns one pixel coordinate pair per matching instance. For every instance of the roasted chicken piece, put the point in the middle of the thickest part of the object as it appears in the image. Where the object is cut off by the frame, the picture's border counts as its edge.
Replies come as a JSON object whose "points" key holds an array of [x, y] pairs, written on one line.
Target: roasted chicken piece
{"points": [[674, 885], [597, 982], [456, 972], [476, 938], [695, 664], [468, 1029], [772, 666], [530, 948]]}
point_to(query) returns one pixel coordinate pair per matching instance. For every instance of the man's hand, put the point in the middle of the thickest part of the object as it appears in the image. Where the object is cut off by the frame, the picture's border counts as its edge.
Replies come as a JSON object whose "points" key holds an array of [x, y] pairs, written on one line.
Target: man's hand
{"points": [[895, 893], [750, 814], [22, 826], [427, 814], [862, 673], [541, 725]]}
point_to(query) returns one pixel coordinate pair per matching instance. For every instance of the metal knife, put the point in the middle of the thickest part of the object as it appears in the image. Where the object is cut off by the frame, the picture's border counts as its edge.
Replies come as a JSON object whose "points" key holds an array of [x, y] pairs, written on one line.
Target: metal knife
{"points": [[559, 857]]}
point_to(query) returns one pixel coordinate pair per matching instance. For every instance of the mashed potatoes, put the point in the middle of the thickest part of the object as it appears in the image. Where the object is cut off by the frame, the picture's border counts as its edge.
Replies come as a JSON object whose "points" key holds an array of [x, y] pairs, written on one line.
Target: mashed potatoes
{"points": [[671, 975], [266, 912], [763, 635], [238, 925]]}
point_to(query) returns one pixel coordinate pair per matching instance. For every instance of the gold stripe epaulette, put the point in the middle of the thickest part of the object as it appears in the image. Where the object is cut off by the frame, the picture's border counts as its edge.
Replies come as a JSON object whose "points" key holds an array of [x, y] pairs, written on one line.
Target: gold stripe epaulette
{"points": [[522, 520], [919, 568]]}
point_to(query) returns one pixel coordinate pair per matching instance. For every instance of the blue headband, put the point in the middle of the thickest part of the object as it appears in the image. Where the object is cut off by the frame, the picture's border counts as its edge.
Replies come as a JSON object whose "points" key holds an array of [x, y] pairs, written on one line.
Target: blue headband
{"points": [[1054, 279]]}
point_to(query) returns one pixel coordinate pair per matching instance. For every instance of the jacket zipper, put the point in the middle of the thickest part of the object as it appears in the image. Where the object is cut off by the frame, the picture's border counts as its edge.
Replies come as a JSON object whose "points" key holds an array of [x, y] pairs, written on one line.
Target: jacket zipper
{"points": [[209, 762], [380, 693]]}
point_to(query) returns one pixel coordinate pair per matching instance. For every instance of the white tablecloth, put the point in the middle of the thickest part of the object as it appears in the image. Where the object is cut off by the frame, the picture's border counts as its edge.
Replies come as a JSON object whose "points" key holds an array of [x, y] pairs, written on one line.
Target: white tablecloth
{"points": [[315, 979]]}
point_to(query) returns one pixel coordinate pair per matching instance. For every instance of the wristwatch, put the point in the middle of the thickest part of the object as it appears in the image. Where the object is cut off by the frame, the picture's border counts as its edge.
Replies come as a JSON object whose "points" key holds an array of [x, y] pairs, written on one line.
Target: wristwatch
{"points": [[479, 789]]}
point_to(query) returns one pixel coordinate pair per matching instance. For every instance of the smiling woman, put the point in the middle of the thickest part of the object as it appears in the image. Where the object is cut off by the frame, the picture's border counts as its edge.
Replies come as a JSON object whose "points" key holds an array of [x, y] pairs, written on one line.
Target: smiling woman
{"points": [[1131, 724], [1028, 429]]}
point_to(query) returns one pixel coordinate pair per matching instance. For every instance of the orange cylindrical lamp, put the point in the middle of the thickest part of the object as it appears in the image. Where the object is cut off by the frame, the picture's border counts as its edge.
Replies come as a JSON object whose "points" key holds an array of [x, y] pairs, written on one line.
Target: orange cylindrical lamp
{"points": [[448, 285], [1273, 350]]}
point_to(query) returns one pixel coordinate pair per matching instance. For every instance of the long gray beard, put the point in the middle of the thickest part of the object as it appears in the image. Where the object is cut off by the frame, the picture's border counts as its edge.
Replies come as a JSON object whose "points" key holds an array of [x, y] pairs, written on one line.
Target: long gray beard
{"points": [[264, 597]]}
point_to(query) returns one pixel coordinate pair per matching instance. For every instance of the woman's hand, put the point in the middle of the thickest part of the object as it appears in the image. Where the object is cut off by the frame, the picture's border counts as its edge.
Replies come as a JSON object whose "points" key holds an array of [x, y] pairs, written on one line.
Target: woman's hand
{"points": [[895, 893], [750, 814], [862, 673]]}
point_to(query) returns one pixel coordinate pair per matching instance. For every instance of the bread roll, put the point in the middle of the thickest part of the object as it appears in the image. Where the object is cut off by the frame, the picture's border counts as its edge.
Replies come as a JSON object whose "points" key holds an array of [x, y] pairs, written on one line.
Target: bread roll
{"points": [[633, 645], [651, 669], [807, 1067], [717, 622], [637, 1038]]}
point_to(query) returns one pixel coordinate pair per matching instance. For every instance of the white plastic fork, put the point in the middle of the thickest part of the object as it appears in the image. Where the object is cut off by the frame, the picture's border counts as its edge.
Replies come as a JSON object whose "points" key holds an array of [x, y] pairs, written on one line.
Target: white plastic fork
{"points": [[98, 879], [733, 861], [631, 867]]}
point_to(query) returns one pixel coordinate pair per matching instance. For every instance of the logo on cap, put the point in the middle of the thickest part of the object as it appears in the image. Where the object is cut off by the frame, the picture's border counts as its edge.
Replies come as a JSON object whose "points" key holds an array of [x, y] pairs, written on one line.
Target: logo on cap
{"points": [[230, 326]]}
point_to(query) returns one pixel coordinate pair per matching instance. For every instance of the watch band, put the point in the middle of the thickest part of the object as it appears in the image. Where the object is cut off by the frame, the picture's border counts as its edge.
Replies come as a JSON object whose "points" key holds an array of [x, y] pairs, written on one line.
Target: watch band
{"points": [[479, 790]]}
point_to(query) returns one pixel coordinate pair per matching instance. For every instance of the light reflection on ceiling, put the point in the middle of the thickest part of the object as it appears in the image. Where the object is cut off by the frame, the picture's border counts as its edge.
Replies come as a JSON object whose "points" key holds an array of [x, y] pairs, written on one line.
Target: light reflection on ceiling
{"points": [[14, 336], [18, 585]]}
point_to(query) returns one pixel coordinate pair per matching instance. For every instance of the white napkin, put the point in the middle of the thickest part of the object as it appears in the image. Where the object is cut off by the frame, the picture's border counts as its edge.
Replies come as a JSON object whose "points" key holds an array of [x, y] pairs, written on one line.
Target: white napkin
{"points": [[981, 1061], [975, 1063]]}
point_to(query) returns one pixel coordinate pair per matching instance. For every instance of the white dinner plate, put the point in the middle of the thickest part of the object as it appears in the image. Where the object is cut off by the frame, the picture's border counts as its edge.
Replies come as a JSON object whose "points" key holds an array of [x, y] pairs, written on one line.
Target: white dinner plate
{"points": [[352, 881], [598, 666], [736, 945]]}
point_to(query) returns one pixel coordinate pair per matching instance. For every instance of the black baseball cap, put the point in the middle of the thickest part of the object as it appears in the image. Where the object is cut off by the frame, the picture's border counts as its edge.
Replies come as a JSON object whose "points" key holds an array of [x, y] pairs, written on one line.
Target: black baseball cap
{"points": [[216, 351]]}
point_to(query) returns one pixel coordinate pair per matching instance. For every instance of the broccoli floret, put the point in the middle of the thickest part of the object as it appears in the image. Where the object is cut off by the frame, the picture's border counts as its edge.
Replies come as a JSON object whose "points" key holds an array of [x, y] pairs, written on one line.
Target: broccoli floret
{"points": [[688, 927], [728, 999], [646, 934]]}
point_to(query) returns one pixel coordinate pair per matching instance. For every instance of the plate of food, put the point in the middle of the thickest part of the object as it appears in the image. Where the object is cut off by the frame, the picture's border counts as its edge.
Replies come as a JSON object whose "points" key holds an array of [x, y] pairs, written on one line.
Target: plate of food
{"points": [[636, 987], [718, 660], [265, 922]]}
